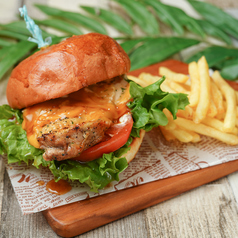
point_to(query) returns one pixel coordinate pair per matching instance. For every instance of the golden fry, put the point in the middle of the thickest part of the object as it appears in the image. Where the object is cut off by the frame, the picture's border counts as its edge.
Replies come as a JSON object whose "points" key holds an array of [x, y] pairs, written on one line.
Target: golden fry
{"points": [[187, 113], [171, 125], [207, 131], [166, 88], [217, 124], [137, 80], [195, 84], [180, 78], [178, 88], [182, 135], [204, 96], [217, 98], [230, 96], [212, 111], [167, 134], [148, 78]]}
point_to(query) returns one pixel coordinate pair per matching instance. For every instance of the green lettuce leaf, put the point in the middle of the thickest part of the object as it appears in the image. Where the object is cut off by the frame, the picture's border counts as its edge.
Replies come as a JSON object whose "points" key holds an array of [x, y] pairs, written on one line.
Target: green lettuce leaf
{"points": [[148, 104]]}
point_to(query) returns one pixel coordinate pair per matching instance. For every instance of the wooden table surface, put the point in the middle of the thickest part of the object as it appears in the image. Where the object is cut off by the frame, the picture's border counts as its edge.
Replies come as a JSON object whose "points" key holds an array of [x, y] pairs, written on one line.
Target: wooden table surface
{"points": [[208, 211]]}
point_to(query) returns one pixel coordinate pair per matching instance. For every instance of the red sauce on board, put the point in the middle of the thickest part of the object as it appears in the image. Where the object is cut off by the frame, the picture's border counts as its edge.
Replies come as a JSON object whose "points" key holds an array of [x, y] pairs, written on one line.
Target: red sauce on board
{"points": [[61, 187]]}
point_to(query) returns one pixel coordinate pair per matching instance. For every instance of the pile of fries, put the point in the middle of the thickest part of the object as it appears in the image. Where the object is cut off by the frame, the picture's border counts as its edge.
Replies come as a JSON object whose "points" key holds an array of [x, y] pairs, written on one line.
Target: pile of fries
{"points": [[213, 109]]}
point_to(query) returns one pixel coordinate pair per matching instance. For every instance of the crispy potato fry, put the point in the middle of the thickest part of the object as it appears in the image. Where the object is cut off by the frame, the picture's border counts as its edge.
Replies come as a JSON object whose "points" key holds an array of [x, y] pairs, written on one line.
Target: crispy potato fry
{"points": [[195, 84], [212, 111], [148, 78], [180, 78], [182, 135], [167, 134], [207, 131], [171, 125], [137, 80], [196, 137], [187, 113], [166, 88], [178, 88], [230, 96], [204, 95], [217, 98], [217, 124]]}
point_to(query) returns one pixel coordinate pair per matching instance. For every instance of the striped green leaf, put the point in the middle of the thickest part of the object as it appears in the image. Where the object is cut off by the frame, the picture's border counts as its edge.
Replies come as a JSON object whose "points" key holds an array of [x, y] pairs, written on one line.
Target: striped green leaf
{"points": [[215, 55], [212, 30], [217, 17], [114, 20], [75, 17], [165, 15], [60, 25], [10, 55], [140, 15], [158, 49], [4, 43]]}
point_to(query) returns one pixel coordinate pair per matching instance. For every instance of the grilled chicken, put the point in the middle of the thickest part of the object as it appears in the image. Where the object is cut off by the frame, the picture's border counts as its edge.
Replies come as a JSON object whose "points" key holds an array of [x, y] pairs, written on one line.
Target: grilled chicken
{"points": [[67, 138]]}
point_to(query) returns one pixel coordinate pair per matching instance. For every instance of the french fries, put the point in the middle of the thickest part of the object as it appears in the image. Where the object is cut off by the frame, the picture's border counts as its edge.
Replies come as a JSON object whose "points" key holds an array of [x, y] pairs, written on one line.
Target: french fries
{"points": [[204, 91], [179, 78], [213, 108]]}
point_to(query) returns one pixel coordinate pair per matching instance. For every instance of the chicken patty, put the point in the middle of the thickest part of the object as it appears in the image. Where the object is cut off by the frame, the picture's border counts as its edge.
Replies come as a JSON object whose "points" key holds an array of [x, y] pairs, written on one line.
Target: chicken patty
{"points": [[67, 138]]}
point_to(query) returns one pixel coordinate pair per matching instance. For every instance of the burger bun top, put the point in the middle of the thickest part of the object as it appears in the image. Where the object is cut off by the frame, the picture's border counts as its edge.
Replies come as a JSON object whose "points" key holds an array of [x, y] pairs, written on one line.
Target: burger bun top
{"points": [[64, 68]]}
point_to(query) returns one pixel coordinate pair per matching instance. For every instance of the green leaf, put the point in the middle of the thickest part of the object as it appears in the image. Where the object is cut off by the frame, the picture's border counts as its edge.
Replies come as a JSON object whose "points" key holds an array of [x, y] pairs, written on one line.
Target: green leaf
{"points": [[215, 55], [212, 30], [148, 104], [129, 45], [164, 13], [230, 69], [217, 17], [20, 27], [114, 20], [158, 49], [140, 15], [75, 17], [4, 43], [60, 25], [12, 54], [13, 35]]}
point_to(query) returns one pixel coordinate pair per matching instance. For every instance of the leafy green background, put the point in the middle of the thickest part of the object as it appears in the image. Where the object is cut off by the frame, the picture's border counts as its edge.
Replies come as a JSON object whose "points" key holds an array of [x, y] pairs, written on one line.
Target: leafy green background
{"points": [[147, 15]]}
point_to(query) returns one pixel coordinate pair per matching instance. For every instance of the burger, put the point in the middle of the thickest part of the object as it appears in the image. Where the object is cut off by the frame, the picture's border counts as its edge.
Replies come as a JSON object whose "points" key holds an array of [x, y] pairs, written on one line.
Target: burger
{"points": [[73, 110]]}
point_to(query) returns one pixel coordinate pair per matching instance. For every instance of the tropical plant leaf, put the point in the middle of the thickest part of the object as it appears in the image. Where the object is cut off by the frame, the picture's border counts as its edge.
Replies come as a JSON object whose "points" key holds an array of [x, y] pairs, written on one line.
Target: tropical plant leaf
{"points": [[4, 43], [164, 13], [13, 35], [129, 45], [212, 30], [140, 15], [10, 55], [114, 20], [20, 27], [60, 25], [158, 49], [217, 17], [230, 69], [215, 55], [75, 17]]}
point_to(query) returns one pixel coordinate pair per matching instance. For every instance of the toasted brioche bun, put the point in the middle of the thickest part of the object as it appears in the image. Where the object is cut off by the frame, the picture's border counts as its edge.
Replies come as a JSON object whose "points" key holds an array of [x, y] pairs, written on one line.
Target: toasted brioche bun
{"points": [[135, 146], [64, 68]]}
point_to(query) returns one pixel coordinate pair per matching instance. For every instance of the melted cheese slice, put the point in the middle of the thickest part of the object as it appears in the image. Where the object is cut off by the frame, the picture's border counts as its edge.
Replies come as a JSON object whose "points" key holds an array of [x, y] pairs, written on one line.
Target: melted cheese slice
{"points": [[103, 100]]}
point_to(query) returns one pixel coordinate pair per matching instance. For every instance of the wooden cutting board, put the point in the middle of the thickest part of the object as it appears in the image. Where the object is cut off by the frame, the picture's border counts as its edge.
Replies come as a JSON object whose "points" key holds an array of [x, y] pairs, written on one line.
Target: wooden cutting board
{"points": [[79, 217]]}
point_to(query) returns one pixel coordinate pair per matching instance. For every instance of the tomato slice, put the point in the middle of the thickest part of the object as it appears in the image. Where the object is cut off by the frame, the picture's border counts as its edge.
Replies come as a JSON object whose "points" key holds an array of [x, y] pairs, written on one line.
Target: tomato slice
{"points": [[117, 136]]}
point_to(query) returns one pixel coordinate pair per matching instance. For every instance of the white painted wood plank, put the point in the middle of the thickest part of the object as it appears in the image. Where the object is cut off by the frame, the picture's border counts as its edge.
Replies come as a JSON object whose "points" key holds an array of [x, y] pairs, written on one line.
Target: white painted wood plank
{"points": [[208, 211], [233, 180]]}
